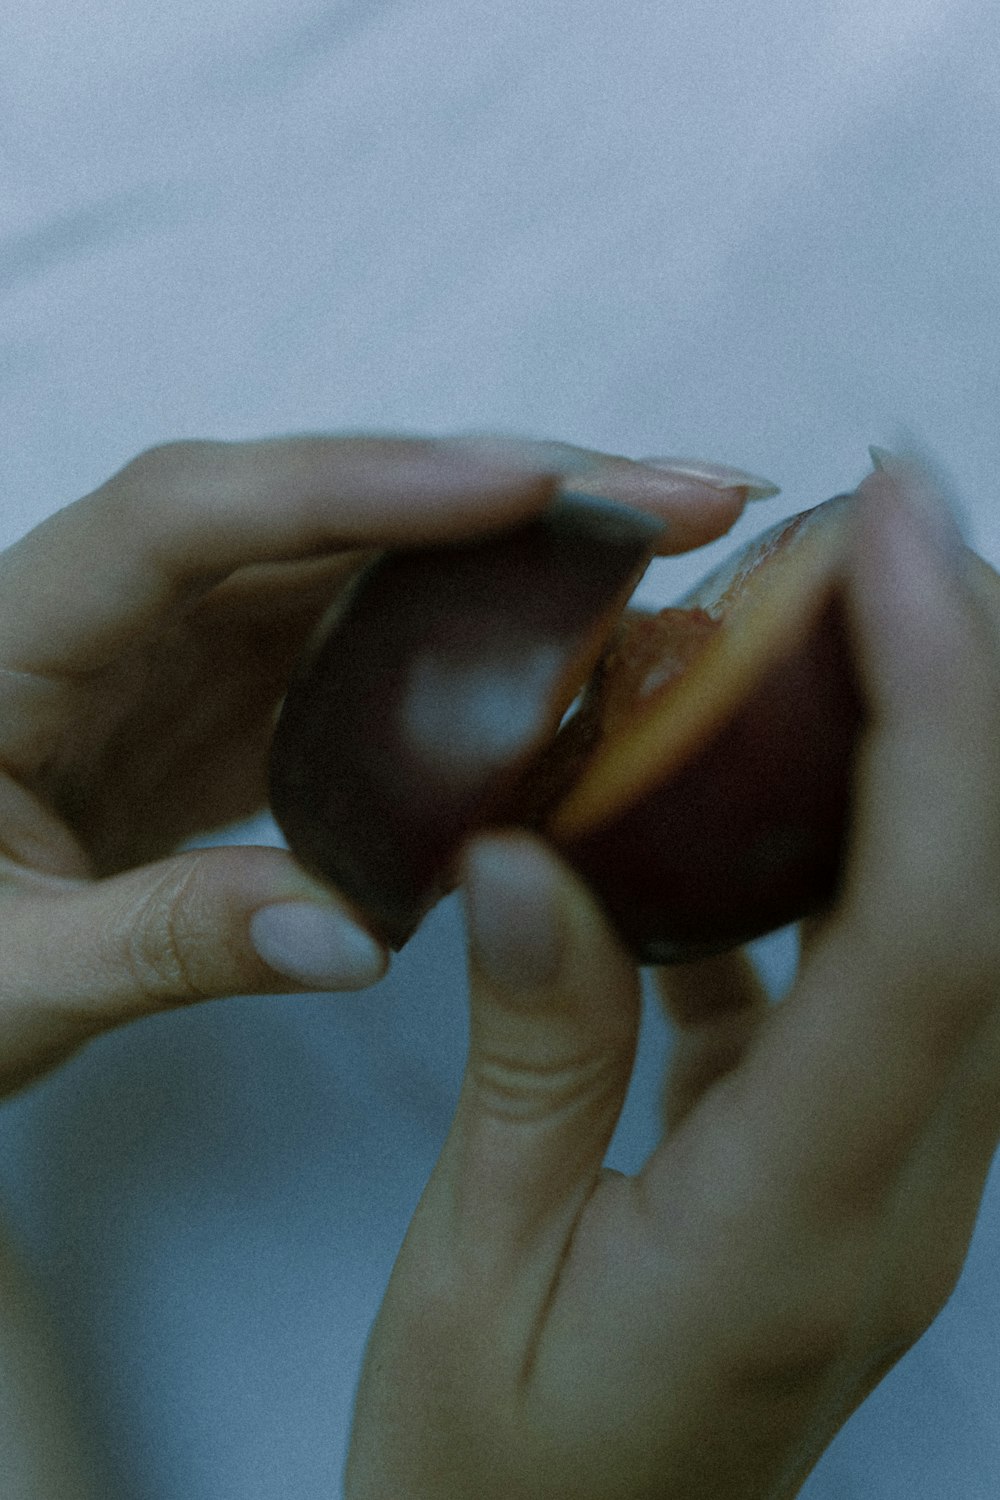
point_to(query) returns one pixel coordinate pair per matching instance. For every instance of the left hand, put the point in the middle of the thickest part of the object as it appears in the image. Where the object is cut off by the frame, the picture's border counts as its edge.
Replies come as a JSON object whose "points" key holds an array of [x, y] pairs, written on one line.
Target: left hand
{"points": [[147, 633]]}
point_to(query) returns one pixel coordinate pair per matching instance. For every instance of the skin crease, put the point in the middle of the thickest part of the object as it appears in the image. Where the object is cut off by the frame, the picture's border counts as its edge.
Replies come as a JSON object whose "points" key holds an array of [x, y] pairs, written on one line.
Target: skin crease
{"points": [[702, 1330]]}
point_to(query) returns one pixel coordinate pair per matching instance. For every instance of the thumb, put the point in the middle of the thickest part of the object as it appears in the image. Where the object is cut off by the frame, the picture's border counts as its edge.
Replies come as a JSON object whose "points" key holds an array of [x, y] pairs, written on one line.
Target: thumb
{"points": [[80, 957], [554, 1023]]}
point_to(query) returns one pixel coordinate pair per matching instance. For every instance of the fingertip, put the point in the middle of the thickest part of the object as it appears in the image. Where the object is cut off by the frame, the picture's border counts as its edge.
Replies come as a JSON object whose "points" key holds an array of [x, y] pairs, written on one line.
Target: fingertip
{"points": [[318, 947], [295, 931], [513, 907], [693, 511], [701, 515], [907, 601], [534, 925]]}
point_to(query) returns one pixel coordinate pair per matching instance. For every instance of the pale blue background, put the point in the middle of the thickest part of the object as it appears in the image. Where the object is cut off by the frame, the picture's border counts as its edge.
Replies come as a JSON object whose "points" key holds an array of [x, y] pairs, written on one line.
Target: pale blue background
{"points": [[764, 233]]}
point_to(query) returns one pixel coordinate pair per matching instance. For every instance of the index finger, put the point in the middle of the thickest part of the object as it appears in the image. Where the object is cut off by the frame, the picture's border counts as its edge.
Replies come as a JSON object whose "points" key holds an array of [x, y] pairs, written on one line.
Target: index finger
{"points": [[181, 517], [185, 515]]}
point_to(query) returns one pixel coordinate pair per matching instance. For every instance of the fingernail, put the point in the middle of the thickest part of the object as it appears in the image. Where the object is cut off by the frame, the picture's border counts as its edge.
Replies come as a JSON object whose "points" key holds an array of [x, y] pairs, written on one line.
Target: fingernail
{"points": [[925, 494], [316, 946], [512, 907], [716, 476], [532, 455]]}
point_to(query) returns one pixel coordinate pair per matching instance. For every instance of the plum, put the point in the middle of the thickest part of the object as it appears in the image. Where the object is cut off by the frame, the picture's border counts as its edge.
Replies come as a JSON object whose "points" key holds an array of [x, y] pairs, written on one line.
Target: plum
{"points": [[694, 764]]}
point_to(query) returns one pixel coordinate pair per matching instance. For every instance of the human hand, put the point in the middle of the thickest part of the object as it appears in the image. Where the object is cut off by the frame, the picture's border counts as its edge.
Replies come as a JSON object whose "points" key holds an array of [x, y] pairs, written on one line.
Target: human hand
{"points": [[702, 1330], [146, 636]]}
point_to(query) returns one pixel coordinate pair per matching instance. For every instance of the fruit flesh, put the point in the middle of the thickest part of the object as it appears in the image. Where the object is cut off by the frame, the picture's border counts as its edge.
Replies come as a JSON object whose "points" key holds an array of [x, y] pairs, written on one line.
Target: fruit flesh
{"points": [[645, 657]]}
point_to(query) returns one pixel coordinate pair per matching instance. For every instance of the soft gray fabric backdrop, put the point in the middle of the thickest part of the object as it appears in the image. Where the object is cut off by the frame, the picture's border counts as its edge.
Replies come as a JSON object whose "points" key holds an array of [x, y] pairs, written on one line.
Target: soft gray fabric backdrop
{"points": [[764, 233]]}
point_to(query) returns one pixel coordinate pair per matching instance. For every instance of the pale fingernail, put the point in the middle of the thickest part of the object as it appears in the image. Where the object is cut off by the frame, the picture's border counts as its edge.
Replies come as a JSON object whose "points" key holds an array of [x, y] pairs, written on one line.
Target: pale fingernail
{"points": [[316, 946], [532, 455], [515, 928], [716, 476], [926, 495]]}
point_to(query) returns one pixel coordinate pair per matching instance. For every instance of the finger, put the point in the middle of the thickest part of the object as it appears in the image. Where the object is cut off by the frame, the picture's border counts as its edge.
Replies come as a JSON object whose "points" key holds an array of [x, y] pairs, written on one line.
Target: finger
{"points": [[701, 500], [182, 517], [715, 1005], [78, 957], [698, 993], [555, 1006], [904, 977]]}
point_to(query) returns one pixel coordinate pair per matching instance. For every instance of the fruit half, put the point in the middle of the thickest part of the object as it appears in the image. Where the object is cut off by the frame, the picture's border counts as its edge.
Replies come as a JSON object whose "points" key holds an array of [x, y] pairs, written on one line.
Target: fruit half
{"points": [[432, 688], [728, 725]]}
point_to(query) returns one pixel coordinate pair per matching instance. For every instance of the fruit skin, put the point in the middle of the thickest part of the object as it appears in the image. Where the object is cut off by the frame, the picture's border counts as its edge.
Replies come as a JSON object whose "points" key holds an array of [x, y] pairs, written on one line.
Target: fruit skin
{"points": [[749, 833], [431, 690], [430, 707]]}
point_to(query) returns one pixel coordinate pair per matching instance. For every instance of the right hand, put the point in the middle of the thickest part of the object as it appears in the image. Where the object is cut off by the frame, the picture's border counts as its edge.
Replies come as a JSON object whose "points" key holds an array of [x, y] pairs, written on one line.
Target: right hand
{"points": [[701, 1331]]}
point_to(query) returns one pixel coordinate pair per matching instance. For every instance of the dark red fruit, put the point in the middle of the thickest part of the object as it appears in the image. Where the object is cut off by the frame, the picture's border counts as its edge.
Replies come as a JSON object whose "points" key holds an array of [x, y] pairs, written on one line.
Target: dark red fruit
{"points": [[702, 783]]}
